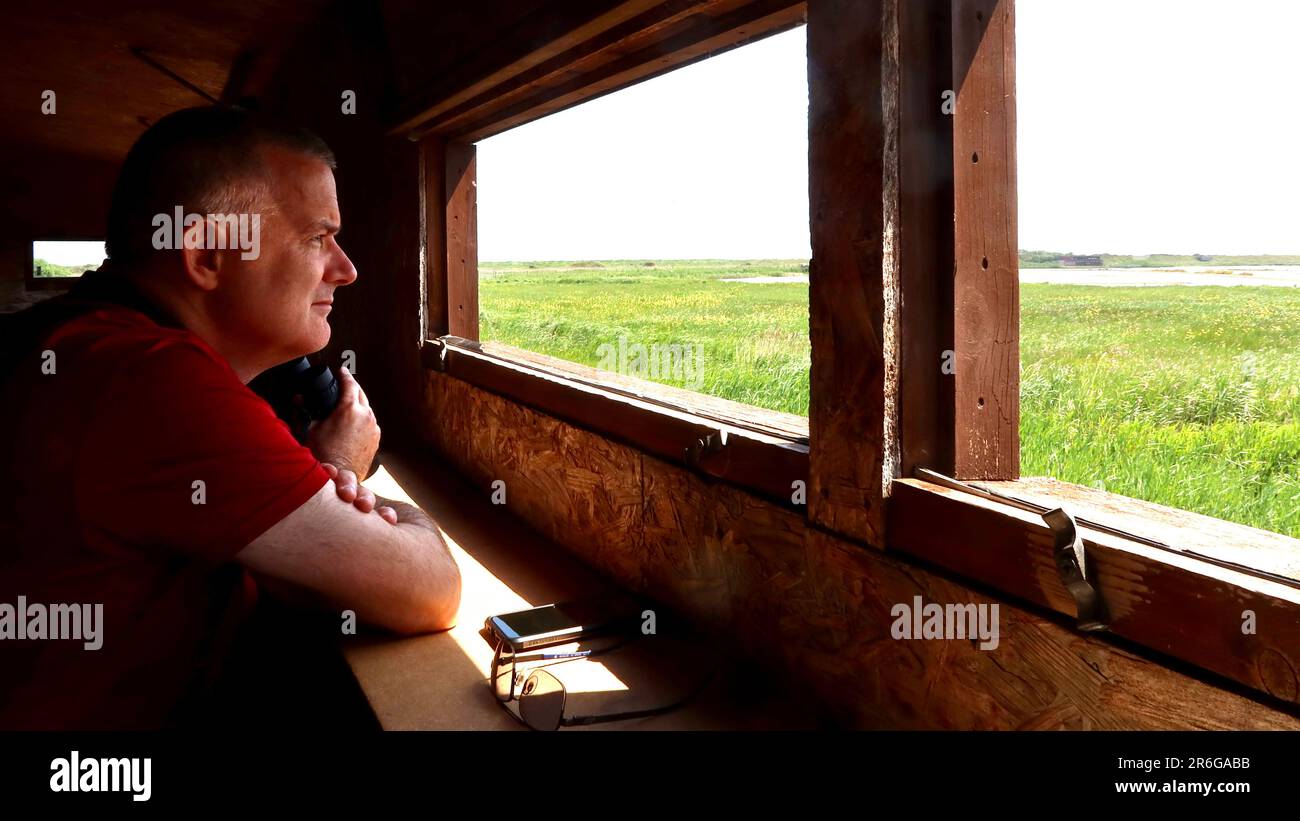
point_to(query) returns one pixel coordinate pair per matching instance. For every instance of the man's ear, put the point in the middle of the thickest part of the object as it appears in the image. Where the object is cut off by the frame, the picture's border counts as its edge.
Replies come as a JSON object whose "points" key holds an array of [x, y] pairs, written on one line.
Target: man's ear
{"points": [[201, 250]]}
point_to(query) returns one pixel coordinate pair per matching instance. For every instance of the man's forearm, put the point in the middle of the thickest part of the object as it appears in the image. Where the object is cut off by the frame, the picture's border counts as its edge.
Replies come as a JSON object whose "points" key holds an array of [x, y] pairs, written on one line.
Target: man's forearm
{"points": [[303, 597], [445, 568]]}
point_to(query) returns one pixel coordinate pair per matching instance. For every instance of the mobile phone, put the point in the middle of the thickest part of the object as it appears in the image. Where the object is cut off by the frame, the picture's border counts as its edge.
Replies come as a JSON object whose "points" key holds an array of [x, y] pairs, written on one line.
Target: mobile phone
{"points": [[563, 622]]}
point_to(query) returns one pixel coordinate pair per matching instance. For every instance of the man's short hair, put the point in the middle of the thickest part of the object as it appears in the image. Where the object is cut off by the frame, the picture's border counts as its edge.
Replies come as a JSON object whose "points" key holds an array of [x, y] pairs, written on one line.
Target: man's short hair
{"points": [[207, 160]]}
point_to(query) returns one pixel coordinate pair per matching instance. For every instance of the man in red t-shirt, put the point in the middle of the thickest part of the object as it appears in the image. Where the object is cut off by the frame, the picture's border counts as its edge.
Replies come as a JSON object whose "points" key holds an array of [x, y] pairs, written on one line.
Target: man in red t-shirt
{"points": [[143, 485]]}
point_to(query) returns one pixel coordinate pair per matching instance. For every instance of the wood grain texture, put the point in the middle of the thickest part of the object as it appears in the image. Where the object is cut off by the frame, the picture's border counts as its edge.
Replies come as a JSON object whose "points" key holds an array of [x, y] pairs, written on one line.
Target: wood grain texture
{"points": [[814, 608], [445, 55], [1040, 676], [925, 390], [767, 464], [433, 205], [986, 290], [846, 169], [548, 466], [1217, 538], [717, 574], [81, 50], [461, 224], [1161, 600], [581, 51], [763, 420], [646, 56]]}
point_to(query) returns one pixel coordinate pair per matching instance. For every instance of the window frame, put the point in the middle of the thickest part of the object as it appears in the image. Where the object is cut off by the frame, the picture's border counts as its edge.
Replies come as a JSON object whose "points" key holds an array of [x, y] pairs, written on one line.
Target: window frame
{"points": [[928, 237], [1167, 599], [656, 420], [33, 283], [765, 463]]}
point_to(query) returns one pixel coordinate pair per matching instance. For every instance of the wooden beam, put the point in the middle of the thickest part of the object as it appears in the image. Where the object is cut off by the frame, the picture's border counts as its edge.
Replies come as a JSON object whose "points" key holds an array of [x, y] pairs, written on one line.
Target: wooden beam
{"points": [[847, 140], [462, 240], [583, 57], [986, 290], [765, 464], [779, 424], [1217, 539], [433, 168], [925, 376], [698, 38], [1173, 603], [667, 37], [558, 29]]}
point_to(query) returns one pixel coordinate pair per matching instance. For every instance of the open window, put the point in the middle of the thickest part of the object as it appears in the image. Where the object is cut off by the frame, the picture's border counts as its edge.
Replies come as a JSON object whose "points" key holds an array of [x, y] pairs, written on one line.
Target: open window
{"points": [[605, 343], [1167, 377], [914, 421], [661, 232], [56, 264], [1175, 581]]}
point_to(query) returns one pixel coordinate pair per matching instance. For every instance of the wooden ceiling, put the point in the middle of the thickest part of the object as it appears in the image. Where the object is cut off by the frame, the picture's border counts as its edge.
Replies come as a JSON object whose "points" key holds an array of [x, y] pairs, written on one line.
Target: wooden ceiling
{"points": [[105, 94], [56, 170]]}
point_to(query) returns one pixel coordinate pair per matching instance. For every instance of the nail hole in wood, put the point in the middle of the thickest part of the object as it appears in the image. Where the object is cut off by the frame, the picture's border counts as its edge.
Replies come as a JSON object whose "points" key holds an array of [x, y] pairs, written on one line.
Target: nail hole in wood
{"points": [[975, 157], [984, 263]]}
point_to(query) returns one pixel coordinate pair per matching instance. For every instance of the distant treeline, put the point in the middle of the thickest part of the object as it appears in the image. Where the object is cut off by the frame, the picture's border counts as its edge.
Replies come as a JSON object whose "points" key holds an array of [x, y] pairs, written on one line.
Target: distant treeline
{"points": [[1052, 259], [41, 268]]}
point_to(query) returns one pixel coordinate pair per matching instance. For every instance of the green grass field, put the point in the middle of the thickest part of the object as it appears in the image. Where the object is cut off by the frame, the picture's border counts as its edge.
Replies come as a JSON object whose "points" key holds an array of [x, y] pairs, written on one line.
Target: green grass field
{"points": [[754, 338], [1189, 397], [41, 268]]}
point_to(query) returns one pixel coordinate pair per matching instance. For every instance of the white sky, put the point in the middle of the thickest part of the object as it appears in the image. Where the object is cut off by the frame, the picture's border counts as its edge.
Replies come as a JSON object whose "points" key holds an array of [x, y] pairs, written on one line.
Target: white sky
{"points": [[69, 253], [1145, 126], [1161, 126], [709, 161]]}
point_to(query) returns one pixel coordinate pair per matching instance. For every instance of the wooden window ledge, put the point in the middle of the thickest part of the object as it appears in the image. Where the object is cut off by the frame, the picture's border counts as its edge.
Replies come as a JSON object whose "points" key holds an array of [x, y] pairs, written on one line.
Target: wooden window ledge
{"points": [[760, 450], [1196, 597]]}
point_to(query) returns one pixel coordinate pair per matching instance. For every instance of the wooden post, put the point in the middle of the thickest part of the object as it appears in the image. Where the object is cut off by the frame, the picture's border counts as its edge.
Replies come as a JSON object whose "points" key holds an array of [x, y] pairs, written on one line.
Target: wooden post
{"points": [[433, 168], [462, 240], [450, 238], [848, 136], [926, 367], [986, 289]]}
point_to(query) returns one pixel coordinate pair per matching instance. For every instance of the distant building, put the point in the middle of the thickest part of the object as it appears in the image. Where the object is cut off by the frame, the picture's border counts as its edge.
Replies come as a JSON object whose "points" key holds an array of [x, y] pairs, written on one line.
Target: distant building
{"points": [[1082, 261], [1202, 257]]}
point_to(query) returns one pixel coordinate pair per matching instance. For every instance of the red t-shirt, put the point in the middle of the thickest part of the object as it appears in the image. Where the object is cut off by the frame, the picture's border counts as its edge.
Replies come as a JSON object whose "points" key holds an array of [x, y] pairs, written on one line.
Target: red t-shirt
{"points": [[132, 476]]}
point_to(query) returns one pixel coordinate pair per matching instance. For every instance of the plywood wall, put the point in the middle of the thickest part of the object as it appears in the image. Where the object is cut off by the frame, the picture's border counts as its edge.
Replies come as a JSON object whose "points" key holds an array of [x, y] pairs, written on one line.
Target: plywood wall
{"points": [[814, 608]]}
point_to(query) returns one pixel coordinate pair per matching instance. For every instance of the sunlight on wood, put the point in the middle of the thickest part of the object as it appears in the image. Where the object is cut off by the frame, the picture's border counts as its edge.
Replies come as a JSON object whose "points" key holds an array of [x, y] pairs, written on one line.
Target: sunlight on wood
{"points": [[483, 595]]}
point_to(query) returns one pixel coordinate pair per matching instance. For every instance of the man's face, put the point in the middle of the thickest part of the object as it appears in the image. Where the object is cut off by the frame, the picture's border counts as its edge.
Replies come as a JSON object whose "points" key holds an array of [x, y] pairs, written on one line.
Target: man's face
{"points": [[281, 300]]}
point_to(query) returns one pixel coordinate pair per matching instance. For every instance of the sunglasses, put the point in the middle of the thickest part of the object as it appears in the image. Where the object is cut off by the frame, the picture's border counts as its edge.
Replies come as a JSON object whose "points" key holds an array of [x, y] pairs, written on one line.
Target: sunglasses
{"points": [[537, 699]]}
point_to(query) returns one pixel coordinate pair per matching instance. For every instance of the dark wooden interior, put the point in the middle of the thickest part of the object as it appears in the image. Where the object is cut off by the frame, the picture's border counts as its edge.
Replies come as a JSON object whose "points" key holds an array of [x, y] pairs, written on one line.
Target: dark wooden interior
{"points": [[913, 254]]}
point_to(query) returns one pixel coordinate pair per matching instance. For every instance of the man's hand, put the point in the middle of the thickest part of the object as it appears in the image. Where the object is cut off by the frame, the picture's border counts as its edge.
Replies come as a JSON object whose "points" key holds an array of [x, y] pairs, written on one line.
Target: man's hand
{"points": [[352, 491], [349, 438]]}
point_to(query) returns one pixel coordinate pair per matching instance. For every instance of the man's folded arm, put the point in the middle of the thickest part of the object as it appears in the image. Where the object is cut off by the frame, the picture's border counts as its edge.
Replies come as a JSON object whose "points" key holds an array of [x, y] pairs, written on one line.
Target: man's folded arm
{"points": [[401, 577]]}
